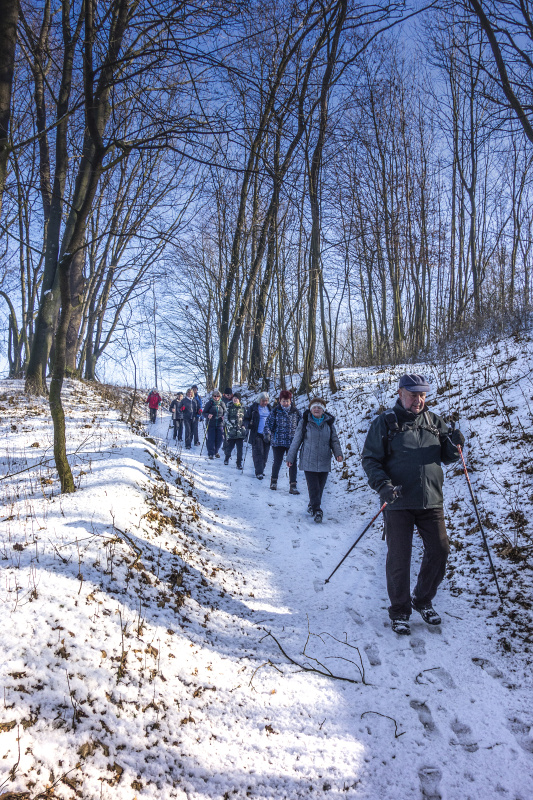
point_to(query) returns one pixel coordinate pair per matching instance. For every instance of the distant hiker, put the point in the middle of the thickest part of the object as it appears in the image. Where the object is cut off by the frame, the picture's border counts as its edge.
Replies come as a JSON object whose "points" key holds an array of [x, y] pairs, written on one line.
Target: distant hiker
{"points": [[198, 414], [227, 397], [235, 429], [255, 418], [154, 401], [189, 409], [317, 437], [214, 411], [177, 416], [406, 446], [280, 428]]}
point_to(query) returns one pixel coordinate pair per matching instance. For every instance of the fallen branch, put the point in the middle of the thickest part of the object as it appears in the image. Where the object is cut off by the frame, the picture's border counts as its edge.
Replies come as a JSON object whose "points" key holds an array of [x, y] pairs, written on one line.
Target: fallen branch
{"points": [[396, 734]]}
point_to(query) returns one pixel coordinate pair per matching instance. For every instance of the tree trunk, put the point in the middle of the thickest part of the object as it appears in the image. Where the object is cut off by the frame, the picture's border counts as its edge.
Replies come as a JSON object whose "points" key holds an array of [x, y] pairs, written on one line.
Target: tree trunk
{"points": [[9, 14]]}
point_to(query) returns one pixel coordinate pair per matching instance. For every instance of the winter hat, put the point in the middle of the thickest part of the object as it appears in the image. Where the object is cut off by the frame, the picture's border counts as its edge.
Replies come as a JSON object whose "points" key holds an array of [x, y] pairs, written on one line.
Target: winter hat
{"points": [[237, 395], [228, 390], [318, 401], [263, 396], [414, 383], [285, 395]]}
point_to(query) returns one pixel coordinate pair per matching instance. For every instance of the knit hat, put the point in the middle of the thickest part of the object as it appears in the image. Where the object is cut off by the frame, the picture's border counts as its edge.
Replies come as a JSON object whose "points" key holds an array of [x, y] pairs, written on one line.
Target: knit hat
{"points": [[318, 401], [414, 383], [228, 390], [263, 396], [237, 395], [285, 395]]}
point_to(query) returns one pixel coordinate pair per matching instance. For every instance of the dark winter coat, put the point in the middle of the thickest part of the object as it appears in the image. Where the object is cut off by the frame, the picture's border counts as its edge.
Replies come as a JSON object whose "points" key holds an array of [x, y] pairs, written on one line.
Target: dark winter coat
{"points": [[175, 408], [153, 400], [199, 403], [281, 425], [318, 443], [251, 420], [235, 427], [410, 458], [189, 408], [217, 410]]}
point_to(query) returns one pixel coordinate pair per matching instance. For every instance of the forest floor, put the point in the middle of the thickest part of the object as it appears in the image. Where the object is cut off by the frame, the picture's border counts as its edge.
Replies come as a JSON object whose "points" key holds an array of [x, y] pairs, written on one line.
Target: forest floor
{"points": [[167, 632]]}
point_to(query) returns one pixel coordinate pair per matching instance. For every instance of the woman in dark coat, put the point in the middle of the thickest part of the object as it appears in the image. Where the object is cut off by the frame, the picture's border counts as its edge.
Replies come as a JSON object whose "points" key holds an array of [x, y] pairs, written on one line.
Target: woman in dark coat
{"points": [[318, 439], [214, 411], [189, 409], [281, 426], [255, 419], [235, 430]]}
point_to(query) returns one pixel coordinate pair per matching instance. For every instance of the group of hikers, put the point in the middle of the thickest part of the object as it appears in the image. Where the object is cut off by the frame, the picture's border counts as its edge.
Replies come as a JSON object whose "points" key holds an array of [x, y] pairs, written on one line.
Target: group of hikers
{"points": [[402, 457]]}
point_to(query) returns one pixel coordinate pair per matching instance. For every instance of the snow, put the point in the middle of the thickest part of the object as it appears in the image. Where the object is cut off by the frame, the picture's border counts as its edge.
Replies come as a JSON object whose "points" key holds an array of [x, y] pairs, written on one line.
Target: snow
{"points": [[144, 616]]}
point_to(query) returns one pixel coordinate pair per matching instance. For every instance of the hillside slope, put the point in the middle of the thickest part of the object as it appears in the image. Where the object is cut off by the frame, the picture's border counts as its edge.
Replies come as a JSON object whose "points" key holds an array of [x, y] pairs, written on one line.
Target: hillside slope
{"points": [[167, 631]]}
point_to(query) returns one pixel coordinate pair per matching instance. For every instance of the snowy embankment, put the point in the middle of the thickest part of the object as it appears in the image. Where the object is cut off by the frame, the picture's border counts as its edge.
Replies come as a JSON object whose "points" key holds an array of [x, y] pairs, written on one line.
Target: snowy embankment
{"points": [[144, 617]]}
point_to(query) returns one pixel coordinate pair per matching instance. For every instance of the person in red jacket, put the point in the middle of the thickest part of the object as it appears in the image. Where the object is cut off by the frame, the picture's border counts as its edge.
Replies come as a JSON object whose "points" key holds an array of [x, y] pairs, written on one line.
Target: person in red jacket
{"points": [[154, 401]]}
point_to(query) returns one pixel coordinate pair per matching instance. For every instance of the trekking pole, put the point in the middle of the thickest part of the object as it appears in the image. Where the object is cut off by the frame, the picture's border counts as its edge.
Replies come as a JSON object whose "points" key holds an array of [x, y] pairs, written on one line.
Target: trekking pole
{"points": [[397, 491], [460, 449], [245, 452], [205, 436]]}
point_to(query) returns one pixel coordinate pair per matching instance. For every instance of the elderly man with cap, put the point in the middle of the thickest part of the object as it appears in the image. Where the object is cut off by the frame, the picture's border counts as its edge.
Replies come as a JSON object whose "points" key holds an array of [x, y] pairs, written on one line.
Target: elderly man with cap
{"points": [[406, 446]]}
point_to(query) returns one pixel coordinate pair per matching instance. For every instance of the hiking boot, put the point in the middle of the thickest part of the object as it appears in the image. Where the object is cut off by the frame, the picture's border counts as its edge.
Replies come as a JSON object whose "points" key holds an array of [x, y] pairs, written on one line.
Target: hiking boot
{"points": [[239, 466], [401, 625], [427, 613], [259, 477], [226, 461], [310, 509], [293, 489], [211, 458], [318, 516], [217, 455], [273, 483]]}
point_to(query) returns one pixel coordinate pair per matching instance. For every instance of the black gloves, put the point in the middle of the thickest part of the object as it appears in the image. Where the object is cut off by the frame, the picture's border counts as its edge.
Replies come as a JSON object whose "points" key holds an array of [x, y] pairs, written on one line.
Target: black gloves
{"points": [[387, 494], [266, 438], [457, 438]]}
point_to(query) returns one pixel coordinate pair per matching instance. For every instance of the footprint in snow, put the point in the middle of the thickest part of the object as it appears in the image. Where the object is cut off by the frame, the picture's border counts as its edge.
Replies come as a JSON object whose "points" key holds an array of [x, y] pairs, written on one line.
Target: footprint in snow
{"points": [[493, 671], [424, 715], [430, 778], [357, 618], [463, 733], [417, 645], [296, 543], [523, 733], [373, 654], [435, 674], [318, 585], [317, 562]]}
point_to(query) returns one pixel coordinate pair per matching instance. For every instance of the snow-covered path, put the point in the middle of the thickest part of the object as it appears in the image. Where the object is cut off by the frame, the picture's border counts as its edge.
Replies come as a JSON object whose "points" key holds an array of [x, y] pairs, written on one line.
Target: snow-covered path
{"points": [[440, 714]]}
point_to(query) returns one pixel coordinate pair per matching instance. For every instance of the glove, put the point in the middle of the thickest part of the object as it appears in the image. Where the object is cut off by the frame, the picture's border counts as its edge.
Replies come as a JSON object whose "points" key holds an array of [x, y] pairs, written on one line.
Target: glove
{"points": [[266, 438], [457, 437], [388, 494]]}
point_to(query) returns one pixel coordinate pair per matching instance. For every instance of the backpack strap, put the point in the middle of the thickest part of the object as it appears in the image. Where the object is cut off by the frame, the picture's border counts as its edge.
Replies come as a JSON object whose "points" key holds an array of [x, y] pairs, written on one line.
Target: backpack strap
{"points": [[393, 427]]}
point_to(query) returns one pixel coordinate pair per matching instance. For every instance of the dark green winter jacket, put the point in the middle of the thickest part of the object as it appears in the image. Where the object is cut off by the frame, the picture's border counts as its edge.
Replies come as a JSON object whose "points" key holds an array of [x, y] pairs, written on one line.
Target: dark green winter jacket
{"points": [[235, 427], [410, 458]]}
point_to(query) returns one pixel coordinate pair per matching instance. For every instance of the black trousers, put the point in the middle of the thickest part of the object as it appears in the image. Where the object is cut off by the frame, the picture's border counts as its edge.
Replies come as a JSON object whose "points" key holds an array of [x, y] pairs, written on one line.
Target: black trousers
{"points": [[178, 429], [188, 425], [399, 528], [278, 452], [215, 435], [260, 450], [315, 486], [195, 430], [153, 414], [228, 449]]}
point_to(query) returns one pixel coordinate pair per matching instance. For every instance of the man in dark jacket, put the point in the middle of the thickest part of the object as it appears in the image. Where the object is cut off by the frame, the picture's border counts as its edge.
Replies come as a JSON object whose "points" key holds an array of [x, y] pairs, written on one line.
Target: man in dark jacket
{"points": [[177, 416], [189, 409], [214, 411], [406, 446], [255, 418]]}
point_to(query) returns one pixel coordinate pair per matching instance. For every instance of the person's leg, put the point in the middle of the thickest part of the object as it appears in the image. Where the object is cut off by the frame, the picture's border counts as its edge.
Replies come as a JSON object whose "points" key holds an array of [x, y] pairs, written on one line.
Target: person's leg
{"points": [[180, 430], [266, 451], [174, 435], [228, 449], [277, 454], [321, 480], [313, 487], [293, 472], [153, 413], [211, 433], [399, 526], [431, 527], [219, 437], [239, 443], [195, 430], [188, 433], [257, 453]]}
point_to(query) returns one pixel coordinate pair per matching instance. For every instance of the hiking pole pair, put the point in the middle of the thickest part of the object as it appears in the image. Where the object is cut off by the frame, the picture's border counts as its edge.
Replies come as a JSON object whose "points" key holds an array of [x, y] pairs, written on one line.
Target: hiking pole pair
{"points": [[397, 493], [482, 529], [245, 452], [205, 436]]}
